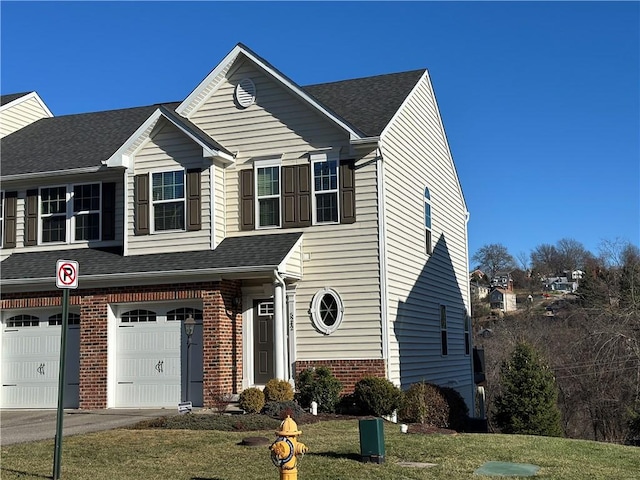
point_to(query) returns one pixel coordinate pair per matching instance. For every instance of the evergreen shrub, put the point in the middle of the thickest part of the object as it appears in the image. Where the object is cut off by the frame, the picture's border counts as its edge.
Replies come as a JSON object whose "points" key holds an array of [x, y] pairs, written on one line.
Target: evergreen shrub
{"points": [[377, 396], [252, 400]]}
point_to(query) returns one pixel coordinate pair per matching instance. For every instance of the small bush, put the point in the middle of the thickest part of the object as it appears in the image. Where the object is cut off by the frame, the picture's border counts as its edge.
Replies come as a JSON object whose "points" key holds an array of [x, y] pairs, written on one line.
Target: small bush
{"points": [[278, 391], [348, 406], [320, 386], [280, 410], [425, 403], [252, 400], [377, 396]]}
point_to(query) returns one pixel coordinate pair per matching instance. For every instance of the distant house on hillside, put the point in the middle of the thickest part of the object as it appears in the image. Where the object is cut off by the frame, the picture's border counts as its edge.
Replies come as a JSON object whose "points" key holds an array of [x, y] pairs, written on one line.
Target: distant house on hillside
{"points": [[502, 300], [502, 280]]}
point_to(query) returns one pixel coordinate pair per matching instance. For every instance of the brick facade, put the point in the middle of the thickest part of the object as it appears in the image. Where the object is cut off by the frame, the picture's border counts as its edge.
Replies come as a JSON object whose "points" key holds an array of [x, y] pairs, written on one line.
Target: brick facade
{"points": [[347, 371], [222, 331]]}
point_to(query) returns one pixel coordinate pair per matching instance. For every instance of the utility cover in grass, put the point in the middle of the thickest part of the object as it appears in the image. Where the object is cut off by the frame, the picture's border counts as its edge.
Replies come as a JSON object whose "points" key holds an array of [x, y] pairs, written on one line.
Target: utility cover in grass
{"points": [[507, 469]]}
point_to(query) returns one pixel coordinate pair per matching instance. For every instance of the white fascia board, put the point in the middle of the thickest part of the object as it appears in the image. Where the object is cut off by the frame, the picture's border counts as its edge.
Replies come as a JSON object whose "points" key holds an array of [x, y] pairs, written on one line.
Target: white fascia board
{"points": [[24, 99], [230, 58], [121, 159]]}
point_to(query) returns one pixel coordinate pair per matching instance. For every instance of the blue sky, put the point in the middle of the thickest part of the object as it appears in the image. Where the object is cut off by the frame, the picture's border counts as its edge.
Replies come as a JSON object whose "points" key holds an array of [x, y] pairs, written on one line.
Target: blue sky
{"points": [[540, 100]]}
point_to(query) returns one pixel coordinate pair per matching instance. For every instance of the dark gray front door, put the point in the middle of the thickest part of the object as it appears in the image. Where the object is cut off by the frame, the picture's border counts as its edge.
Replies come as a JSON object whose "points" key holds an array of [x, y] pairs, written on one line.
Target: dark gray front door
{"points": [[262, 341]]}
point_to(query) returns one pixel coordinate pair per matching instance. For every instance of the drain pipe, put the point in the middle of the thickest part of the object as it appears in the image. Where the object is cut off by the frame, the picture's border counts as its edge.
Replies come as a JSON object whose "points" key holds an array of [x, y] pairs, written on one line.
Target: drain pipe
{"points": [[279, 324]]}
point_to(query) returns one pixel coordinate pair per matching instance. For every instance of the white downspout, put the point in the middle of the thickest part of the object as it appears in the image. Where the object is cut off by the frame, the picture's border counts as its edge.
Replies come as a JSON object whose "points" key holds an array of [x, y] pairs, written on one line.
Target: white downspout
{"points": [[279, 325], [382, 249]]}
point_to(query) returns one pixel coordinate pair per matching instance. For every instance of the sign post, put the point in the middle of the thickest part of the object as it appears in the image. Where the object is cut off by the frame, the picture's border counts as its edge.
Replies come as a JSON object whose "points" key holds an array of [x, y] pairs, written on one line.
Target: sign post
{"points": [[66, 279]]}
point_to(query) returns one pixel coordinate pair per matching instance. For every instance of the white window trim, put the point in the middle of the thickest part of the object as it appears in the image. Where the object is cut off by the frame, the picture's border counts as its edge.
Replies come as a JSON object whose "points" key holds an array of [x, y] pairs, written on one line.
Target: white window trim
{"points": [[318, 158], [70, 215], [315, 311], [153, 203], [272, 162]]}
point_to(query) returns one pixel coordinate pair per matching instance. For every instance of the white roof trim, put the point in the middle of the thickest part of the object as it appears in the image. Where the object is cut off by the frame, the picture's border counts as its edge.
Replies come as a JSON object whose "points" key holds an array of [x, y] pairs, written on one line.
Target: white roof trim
{"points": [[121, 158], [198, 95], [24, 98]]}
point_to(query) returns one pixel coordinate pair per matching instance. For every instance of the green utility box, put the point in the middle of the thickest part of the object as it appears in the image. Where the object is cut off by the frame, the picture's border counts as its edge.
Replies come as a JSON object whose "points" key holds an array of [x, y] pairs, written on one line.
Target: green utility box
{"points": [[372, 440]]}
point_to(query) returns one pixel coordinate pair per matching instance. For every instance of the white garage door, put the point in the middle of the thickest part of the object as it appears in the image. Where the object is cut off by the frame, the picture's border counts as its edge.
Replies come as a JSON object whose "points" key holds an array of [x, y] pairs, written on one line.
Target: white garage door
{"points": [[151, 361], [31, 361]]}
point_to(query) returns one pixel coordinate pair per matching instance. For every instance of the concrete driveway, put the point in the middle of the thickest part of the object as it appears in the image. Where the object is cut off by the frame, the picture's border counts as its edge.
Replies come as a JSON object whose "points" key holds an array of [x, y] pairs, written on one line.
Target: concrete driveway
{"points": [[18, 426]]}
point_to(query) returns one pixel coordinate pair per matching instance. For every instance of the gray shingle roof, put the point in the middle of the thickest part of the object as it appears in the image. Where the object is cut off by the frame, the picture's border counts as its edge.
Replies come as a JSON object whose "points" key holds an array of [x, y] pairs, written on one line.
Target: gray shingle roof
{"points": [[69, 141], [257, 252], [367, 103], [10, 97], [85, 140]]}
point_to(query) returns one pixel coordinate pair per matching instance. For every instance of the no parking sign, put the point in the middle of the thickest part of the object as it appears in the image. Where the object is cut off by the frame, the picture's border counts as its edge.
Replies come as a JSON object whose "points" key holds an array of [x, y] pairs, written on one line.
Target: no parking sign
{"points": [[67, 274]]}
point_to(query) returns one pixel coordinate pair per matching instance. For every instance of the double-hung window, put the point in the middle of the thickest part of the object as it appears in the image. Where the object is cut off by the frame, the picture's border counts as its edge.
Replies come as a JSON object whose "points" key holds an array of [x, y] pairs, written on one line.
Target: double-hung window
{"points": [[168, 200], [70, 213], [86, 211], [427, 221], [444, 342], [53, 214], [268, 193], [325, 188]]}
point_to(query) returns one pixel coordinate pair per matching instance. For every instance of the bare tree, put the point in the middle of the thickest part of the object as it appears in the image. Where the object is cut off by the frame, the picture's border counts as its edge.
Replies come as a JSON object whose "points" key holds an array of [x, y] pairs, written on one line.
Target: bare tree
{"points": [[494, 258]]}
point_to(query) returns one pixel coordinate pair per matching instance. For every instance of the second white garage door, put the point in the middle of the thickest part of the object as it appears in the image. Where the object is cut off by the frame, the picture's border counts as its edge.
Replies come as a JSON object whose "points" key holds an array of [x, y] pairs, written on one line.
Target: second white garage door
{"points": [[151, 359]]}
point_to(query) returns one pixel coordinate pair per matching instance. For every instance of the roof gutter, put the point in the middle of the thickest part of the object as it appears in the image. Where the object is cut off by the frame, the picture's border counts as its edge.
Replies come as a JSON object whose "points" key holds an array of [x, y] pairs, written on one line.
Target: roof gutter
{"points": [[36, 175]]}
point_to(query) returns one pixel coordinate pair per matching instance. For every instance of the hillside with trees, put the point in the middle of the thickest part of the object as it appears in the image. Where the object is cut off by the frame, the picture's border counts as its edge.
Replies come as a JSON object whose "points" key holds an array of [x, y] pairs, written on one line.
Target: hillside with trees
{"points": [[589, 339]]}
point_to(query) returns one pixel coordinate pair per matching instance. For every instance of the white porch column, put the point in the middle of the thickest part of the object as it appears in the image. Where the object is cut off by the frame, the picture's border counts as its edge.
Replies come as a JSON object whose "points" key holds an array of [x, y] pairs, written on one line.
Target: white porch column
{"points": [[279, 324]]}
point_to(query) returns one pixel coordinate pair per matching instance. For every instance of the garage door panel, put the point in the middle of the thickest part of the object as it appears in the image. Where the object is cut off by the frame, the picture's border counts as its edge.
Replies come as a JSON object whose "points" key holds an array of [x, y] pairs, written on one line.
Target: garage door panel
{"points": [[30, 366]]}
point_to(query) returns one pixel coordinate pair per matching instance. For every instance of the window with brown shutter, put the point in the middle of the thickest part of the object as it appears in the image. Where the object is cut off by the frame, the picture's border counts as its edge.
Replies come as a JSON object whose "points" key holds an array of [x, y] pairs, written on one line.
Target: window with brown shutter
{"points": [[347, 191], [141, 202], [194, 203], [296, 192], [10, 208], [31, 218], [108, 211], [247, 207]]}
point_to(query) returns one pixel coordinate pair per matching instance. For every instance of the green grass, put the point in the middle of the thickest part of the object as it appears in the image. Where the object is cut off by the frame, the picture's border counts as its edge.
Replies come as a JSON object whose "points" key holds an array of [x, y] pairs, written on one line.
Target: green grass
{"points": [[333, 454]]}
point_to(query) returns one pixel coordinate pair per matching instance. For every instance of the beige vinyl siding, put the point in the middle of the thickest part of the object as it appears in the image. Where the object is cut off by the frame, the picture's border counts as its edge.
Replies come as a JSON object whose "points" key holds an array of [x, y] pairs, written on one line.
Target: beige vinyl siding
{"points": [[293, 264], [22, 188], [342, 257], [20, 115], [419, 283], [168, 149]]}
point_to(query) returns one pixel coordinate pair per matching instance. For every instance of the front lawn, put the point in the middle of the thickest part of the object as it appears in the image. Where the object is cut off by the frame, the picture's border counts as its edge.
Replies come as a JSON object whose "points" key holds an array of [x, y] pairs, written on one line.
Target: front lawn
{"points": [[162, 453]]}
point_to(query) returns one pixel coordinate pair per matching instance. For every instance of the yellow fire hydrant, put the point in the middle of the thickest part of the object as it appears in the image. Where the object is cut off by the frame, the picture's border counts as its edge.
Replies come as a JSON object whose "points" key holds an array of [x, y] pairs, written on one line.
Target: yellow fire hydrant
{"points": [[286, 448]]}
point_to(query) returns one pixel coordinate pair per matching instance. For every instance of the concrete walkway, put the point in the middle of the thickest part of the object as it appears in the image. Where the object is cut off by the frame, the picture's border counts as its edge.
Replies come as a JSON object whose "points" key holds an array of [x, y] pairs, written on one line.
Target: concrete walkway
{"points": [[18, 426]]}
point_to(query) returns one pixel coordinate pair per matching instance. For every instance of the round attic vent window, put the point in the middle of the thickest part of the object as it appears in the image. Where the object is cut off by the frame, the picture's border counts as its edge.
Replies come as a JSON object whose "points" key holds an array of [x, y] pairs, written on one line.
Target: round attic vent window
{"points": [[245, 92]]}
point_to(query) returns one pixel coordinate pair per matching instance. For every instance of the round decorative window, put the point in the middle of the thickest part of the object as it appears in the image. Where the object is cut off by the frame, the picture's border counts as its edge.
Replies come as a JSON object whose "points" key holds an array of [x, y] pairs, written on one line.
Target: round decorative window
{"points": [[327, 310], [245, 92]]}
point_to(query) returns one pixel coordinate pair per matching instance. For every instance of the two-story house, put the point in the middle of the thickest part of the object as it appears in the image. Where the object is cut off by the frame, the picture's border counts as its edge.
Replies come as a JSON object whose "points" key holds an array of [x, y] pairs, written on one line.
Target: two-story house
{"points": [[298, 226]]}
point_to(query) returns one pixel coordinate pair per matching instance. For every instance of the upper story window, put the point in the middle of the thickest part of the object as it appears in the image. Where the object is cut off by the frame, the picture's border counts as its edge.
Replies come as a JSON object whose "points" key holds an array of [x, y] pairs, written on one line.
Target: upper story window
{"points": [[70, 213], [321, 191], [427, 221], [467, 334], [168, 200], [325, 189], [268, 193]]}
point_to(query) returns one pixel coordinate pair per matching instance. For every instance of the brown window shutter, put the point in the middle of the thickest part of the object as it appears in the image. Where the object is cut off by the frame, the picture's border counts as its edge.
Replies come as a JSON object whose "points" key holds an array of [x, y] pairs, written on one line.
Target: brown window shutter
{"points": [[194, 202], [108, 211], [347, 192], [247, 207], [31, 218], [141, 204], [296, 196], [10, 213]]}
